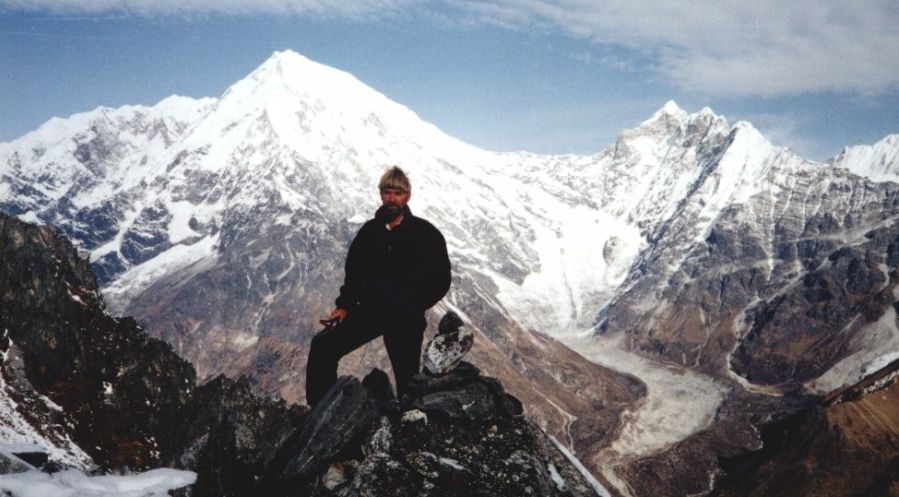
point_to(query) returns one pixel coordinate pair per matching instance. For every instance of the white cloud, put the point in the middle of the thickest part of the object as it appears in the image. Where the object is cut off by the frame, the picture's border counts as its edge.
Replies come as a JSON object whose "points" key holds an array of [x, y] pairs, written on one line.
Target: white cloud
{"points": [[763, 47], [726, 47]]}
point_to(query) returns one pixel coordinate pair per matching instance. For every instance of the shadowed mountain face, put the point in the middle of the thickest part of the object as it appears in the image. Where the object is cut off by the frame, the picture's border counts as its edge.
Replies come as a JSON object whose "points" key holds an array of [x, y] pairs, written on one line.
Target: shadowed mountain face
{"points": [[728, 281], [120, 391], [846, 446]]}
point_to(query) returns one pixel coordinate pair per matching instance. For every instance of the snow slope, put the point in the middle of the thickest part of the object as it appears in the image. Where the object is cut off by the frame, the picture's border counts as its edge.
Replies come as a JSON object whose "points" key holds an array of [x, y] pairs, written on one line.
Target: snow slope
{"points": [[72, 483]]}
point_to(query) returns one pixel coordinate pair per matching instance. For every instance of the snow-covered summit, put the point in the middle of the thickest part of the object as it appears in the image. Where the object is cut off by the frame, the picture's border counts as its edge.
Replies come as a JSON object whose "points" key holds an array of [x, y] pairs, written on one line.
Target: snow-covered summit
{"points": [[668, 126], [879, 162], [671, 116], [172, 109], [300, 76], [670, 109], [311, 106]]}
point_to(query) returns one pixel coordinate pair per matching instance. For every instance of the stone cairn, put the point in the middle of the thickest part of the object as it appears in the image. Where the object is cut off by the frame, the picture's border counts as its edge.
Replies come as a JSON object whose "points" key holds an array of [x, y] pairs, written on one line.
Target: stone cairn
{"points": [[449, 346]]}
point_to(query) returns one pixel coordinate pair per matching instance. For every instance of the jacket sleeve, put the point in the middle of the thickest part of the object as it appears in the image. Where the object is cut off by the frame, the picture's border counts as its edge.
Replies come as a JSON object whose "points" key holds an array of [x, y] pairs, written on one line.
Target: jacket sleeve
{"points": [[354, 273], [436, 271]]}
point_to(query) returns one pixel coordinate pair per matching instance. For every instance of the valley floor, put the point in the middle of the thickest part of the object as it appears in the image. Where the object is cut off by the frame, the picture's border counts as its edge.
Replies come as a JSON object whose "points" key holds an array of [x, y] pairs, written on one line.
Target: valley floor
{"points": [[678, 403]]}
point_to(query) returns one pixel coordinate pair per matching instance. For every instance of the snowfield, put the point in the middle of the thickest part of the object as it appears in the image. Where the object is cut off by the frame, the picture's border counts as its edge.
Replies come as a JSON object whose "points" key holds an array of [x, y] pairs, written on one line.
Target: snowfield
{"points": [[72, 483]]}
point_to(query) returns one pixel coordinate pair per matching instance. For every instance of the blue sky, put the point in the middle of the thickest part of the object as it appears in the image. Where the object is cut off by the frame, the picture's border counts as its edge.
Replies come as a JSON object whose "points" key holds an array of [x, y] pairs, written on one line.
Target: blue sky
{"points": [[562, 76]]}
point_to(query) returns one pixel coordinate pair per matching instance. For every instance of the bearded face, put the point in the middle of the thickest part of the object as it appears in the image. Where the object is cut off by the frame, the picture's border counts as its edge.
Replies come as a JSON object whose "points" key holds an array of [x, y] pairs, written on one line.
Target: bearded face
{"points": [[394, 201]]}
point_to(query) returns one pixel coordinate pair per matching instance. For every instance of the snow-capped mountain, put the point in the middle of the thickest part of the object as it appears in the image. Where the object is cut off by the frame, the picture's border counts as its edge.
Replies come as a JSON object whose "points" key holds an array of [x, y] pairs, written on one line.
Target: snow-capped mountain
{"points": [[691, 242], [879, 162]]}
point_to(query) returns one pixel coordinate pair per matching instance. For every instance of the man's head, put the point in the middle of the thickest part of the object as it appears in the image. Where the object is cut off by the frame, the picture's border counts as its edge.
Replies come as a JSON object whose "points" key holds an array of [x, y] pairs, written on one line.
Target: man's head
{"points": [[395, 192]]}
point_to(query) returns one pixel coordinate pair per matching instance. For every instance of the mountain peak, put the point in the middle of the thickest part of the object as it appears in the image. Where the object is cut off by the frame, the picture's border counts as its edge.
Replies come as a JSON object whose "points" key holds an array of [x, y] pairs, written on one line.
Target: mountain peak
{"points": [[671, 117], [288, 80], [288, 70], [878, 162], [289, 64], [672, 111], [667, 112], [671, 108]]}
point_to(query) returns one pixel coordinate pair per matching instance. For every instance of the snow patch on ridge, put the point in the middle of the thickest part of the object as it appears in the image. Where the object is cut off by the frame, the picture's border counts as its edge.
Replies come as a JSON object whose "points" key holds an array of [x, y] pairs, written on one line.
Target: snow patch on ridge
{"points": [[172, 260], [179, 227]]}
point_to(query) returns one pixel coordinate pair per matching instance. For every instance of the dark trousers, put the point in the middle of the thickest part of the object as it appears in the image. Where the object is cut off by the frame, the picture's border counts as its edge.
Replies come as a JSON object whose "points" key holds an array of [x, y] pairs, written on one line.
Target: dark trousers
{"points": [[402, 339]]}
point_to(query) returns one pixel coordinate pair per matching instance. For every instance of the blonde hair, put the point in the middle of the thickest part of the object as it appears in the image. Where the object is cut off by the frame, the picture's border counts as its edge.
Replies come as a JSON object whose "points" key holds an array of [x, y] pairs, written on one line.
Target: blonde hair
{"points": [[394, 179]]}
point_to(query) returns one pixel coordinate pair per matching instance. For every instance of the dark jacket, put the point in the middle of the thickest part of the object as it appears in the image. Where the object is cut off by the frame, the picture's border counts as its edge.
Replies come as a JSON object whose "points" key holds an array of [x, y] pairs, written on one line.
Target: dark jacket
{"points": [[401, 272]]}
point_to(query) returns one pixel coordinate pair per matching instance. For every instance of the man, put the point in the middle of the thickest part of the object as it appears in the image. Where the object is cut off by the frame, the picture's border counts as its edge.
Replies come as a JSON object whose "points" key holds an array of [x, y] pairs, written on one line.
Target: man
{"points": [[396, 269]]}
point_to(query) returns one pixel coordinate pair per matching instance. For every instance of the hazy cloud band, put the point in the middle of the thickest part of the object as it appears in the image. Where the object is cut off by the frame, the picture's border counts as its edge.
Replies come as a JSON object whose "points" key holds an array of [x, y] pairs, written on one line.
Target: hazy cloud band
{"points": [[727, 47], [764, 47]]}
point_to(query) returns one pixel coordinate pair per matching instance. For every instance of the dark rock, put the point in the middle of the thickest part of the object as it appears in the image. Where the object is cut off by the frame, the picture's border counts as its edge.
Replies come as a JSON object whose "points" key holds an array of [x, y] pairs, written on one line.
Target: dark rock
{"points": [[532, 474], [378, 384], [220, 469], [424, 383], [121, 390], [338, 424], [53, 467], [381, 476], [450, 323], [9, 465], [108, 267], [380, 441], [147, 236], [479, 449], [470, 401], [97, 225], [232, 436], [36, 459]]}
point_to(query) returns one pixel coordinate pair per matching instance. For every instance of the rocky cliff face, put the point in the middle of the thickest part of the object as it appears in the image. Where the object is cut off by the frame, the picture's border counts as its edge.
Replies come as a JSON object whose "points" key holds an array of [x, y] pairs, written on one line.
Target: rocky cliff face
{"points": [[766, 284], [118, 391], [128, 401]]}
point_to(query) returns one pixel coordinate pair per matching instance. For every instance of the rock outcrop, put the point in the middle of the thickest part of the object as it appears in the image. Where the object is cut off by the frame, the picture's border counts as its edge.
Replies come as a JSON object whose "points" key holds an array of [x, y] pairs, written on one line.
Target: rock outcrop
{"points": [[452, 435], [120, 392]]}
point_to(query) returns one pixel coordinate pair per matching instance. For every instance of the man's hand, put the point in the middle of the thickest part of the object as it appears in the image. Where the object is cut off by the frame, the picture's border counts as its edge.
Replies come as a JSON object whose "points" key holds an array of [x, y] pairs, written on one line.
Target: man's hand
{"points": [[337, 316]]}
